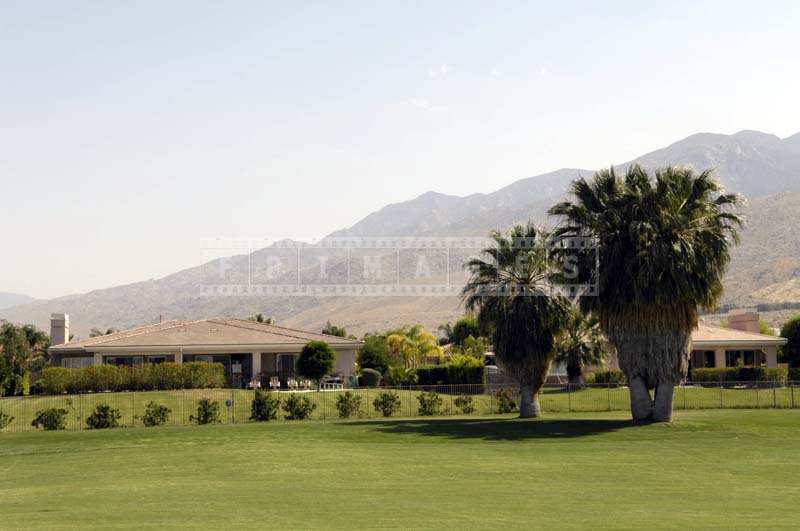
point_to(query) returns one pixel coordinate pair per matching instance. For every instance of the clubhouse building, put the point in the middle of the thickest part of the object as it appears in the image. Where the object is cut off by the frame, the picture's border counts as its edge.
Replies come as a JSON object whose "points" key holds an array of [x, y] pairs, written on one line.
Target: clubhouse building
{"points": [[248, 350]]}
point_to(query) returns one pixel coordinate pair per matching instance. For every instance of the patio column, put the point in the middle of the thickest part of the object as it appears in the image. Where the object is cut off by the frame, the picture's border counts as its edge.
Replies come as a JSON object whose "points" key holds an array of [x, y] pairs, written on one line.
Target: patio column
{"points": [[772, 357], [719, 358], [179, 356], [256, 364], [98, 359]]}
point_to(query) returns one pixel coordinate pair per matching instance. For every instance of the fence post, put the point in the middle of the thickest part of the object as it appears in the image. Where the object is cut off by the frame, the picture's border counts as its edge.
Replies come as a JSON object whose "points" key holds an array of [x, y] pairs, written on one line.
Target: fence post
{"points": [[791, 386], [608, 393], [774, 395], [683, 385], [720, 395], [133, 409], [569, 397], [233, 408], [80, 412]]}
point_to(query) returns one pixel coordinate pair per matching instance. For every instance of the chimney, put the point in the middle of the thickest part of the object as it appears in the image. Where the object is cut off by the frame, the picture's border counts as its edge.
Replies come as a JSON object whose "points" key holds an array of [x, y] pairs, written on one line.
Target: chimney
{"points": [[744, 320], [59, 328]]}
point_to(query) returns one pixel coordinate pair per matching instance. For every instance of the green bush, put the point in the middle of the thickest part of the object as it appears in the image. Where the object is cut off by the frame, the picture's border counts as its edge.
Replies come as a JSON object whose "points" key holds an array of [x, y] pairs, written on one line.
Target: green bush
{"points": [[190, 375], [103, 417], [462, 370], [5, 420], [464, 403], [155, 414], [430, 404], [794, 374], [791, 350], [740, 374], [264, 407], [369, 378], [298, 407], [387, 403], [316, 359], [348, 404], [374, 354], [612, 377], [207, 412], [506, 401], [50, 419]]}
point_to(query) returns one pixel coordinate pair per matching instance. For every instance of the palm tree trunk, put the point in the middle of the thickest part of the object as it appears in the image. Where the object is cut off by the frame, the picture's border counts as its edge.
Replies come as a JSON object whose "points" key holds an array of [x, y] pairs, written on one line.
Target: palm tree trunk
{"points": [[662, 412], [529, 406], [641, 403]]}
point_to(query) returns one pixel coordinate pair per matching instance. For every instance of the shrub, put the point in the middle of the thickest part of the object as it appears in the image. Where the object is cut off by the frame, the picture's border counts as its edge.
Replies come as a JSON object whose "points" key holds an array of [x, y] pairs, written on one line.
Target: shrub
{"points": [[315, 360], [155, 414], [794, 374], [464, 403], [103, 417], [264, 407], [612, 377], [374, 354], [740, 374], [207, 412], [369, 378], [5, 420], [387, 403], [506, 401], [348, 404], [298, 407], [430, 404], [50, 419], [190, 375], [462, 370]]}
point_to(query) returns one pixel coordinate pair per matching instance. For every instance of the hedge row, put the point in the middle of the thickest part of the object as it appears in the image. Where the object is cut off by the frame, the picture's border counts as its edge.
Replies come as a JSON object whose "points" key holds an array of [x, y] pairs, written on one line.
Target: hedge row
{"points": [[147, 377], [740, 374], [450, 374], [611, 377]]}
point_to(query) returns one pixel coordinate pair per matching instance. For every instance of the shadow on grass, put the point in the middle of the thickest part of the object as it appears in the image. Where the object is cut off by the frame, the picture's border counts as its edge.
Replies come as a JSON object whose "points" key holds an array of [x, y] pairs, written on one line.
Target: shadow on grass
{"points": [[499, 429]]}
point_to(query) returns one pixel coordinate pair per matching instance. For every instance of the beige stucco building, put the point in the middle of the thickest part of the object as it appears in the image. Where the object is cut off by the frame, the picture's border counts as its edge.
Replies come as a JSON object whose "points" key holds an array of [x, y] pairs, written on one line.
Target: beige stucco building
{"points": [[247, 349]]}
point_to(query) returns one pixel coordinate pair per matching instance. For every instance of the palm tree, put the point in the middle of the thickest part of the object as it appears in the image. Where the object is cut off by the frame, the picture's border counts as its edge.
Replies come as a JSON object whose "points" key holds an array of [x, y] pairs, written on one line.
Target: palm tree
{"points": [[664, 245], [581, 344], [412, 346], [511, 291]]}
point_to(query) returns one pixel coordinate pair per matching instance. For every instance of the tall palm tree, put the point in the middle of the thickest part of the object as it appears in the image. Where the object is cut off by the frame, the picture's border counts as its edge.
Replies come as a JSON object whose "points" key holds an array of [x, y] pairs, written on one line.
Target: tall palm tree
{"points": [[581, 344], [511, 291], [664, 245]]}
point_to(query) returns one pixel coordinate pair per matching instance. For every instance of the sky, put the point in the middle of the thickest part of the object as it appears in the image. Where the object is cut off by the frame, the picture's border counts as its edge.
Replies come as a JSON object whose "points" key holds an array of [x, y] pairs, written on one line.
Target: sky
{"points": [[130, 132]]}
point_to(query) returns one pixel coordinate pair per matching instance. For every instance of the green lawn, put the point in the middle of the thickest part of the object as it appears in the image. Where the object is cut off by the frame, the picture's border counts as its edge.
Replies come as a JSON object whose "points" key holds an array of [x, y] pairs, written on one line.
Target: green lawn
{"points": [[722, 468], [184, 403]]}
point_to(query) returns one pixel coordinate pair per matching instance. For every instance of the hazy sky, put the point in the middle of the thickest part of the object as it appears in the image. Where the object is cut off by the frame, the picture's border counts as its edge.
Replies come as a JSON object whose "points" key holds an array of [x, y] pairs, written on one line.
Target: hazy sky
{"points": [[131, 131]]}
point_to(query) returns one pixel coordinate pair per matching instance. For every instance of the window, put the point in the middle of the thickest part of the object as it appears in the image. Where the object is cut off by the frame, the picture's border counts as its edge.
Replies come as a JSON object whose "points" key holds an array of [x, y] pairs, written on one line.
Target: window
{"points": [[77, 363], [744, 358]]}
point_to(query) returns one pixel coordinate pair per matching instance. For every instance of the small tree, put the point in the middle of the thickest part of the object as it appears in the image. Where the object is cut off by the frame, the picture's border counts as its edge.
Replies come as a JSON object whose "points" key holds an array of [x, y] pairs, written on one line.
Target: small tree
{"points": [[103, 417], [50, 419], [374, 353], [333, 330], [315, 360], [791, 350], [387, 403], [155, 414], [207, 412], [264, 407], [5, 420]]}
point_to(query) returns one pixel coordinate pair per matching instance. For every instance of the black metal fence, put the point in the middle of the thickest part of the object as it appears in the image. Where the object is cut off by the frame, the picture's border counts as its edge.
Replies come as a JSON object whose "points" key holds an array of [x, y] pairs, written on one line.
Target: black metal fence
{"points": [[234, 406]]}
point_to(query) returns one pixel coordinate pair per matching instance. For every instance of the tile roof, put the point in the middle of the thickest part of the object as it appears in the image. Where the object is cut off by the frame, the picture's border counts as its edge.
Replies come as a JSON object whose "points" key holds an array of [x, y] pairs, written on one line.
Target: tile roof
{"points": [[714, 334], [207, 332]]}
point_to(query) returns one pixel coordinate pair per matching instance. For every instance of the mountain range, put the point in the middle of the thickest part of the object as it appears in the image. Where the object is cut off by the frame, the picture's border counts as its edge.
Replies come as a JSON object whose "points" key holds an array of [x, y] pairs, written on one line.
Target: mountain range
{"points": [[764, 268]]}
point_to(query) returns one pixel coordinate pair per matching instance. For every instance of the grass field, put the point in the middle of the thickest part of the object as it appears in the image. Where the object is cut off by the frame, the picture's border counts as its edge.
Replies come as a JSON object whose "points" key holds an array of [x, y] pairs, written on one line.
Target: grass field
{"points": [[235, 404], [710, 469]]}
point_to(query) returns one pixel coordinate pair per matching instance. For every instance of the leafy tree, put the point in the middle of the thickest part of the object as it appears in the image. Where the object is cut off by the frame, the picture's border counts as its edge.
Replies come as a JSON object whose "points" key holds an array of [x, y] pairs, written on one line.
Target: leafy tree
{"points": [[791, 350], [24, 350], [374, 353], [511, 290], [465, 327], [664, 245], [581, 344], [471, 346], [315, 360], [411, 346], [264, 407], [333, 330]]}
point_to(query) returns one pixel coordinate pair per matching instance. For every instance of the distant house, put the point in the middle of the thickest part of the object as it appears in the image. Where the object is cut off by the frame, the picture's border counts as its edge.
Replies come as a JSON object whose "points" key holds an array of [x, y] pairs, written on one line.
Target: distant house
{"points": [[247, 349]]}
